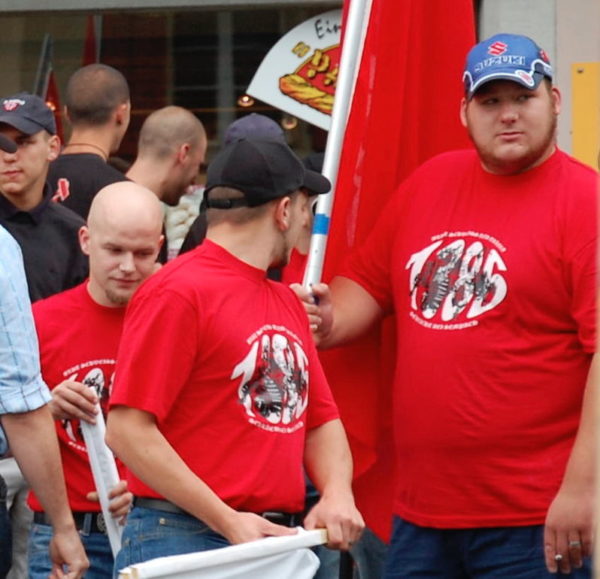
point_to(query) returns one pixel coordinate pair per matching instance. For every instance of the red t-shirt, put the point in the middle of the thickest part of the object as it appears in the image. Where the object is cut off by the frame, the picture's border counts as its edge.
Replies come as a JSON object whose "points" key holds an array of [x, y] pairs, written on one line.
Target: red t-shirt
{"points": [[492, 280], [225, 360], [78, 341], [293, 272]]}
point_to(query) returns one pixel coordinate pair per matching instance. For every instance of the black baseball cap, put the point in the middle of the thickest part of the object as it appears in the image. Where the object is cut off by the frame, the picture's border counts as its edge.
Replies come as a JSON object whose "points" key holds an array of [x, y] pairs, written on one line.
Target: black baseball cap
{"points": [[262, 170], [254, 126], [7, 145], [27, 113]]}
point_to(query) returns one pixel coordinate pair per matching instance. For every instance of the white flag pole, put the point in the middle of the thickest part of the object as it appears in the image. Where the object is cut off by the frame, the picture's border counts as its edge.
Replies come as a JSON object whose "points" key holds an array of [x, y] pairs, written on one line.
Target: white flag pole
{"points": [[352, 48]]}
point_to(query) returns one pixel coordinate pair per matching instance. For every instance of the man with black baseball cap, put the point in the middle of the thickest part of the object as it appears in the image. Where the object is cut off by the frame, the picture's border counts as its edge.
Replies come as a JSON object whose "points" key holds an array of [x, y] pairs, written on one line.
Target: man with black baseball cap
{"points": [[262, 170], [47, 234], [244, 381], [253, 126]]}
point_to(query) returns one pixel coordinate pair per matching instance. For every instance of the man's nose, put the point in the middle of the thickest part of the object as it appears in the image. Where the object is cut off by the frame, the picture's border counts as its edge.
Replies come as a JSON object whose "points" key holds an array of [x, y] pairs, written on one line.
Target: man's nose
{"points": [[127, 263]]}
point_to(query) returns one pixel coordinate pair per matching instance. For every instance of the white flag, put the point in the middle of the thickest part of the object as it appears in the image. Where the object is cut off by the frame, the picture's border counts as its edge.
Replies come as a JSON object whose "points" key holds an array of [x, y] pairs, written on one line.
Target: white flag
{"points": [[271, 558]]}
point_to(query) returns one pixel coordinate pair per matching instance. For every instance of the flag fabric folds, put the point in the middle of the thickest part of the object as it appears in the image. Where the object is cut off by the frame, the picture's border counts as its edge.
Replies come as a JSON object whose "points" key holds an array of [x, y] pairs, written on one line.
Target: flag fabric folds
{"points": [[405, 110], [270, 558]]}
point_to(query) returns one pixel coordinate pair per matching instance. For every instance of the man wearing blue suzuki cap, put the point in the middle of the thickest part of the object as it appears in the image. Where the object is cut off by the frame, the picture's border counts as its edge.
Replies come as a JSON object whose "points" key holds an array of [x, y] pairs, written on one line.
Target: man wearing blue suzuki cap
{"points": [[487, 258]]}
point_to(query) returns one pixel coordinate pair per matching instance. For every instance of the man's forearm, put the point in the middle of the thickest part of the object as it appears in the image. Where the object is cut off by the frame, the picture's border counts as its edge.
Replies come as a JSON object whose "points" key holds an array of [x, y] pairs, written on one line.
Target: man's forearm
{"points": [[327, 457], [581, 468], [33, 442], [135, 439]]}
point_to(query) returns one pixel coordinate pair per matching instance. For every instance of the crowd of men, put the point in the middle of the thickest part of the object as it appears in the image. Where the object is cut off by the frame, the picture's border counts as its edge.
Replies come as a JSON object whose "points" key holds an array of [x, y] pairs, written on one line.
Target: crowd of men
{"points": [[207, 369]]}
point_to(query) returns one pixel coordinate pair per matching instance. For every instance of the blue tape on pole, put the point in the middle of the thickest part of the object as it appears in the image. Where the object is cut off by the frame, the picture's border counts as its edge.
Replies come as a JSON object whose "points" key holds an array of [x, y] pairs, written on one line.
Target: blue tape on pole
{"points": [[321, 224]]}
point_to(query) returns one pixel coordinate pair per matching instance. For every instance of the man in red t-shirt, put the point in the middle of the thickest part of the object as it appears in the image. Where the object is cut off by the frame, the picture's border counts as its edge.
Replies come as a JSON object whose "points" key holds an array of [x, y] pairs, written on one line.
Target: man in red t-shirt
{"points": [[219, 397], [79, 332], [487, 258]]}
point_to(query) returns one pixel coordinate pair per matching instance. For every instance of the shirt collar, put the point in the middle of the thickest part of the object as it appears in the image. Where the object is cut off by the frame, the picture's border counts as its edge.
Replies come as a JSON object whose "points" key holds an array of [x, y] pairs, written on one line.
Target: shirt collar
{"points": [[9, 211]]}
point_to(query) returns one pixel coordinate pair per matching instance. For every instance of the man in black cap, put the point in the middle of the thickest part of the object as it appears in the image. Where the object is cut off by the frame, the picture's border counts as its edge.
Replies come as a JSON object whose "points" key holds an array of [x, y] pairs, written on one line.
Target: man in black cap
{"points": [[252, 126], [47, 234], [214, 426]]}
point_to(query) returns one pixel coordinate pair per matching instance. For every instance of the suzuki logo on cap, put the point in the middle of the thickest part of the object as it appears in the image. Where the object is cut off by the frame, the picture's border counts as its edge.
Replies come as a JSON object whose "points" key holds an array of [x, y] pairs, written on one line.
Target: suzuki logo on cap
{"points": [[12, 104], [497, 48]]}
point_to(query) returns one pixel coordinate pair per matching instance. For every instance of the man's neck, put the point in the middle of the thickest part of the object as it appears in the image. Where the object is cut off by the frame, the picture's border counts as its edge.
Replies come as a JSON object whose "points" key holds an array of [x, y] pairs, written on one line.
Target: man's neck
{"points": [[26, 201], [150, 175], [95, 141], [247, 244]]}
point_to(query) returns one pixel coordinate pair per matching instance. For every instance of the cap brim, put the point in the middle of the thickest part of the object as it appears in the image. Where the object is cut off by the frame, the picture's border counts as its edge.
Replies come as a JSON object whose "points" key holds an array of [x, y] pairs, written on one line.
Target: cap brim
{"points": [[7, 145], [25, 126], [536, 79], [316, 183]]}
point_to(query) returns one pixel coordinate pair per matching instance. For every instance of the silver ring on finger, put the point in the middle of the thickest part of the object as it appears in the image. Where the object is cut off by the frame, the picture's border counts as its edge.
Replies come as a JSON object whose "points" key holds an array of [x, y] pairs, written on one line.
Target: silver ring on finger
{"points": [[558, 557], [574, 544]]}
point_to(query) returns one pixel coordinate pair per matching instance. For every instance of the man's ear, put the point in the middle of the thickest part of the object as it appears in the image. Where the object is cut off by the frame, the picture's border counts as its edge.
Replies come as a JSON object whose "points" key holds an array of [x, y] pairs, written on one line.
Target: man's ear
{"points": [[183, 153], [54, 145], [282, 213], [463, 111], [122, 114], [556, 100], [84, 239]]}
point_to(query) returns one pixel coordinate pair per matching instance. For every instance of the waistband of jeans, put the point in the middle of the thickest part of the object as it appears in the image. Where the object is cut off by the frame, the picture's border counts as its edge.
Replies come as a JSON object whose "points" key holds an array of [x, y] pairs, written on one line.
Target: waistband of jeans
{"points": [[90, 522], [277, 517]]}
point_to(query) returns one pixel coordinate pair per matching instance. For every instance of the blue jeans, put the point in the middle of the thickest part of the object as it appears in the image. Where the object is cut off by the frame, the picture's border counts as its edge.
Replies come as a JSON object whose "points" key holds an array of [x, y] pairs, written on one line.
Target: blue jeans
{"points": [[494, 553], [96, 545], [369, 556], [150, 533]]}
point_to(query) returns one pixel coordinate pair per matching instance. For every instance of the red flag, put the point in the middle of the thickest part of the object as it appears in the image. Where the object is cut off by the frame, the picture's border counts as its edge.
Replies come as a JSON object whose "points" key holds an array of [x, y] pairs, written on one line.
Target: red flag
{"points": [[45, 82], [405, 110], [53, 101], [91, 46]]}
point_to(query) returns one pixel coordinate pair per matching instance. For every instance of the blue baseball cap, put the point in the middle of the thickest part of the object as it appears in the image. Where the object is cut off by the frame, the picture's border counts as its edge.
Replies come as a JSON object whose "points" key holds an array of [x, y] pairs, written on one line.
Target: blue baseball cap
{"points": [[506, 57], [27, 113]]}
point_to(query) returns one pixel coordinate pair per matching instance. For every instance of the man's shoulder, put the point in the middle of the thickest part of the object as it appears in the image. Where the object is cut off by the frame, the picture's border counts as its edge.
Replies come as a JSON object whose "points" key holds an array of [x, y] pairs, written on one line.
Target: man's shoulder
{"points": [[577, 168], [64, 216], [57, 303], [83, 168]]}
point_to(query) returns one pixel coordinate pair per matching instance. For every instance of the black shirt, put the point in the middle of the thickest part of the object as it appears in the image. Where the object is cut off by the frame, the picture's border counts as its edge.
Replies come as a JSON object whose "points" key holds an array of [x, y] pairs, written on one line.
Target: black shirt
{"points": [[76, 178], [195, 235], [48, 236]]}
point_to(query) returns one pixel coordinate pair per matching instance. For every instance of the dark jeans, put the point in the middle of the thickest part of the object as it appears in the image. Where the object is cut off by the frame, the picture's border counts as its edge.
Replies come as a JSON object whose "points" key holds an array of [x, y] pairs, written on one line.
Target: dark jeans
{"points": [[495, 553], [5, 534]]}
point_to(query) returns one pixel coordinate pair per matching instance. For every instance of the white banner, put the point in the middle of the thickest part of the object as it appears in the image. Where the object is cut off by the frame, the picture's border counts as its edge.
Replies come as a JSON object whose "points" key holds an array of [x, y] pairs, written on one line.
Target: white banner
{"points": [[299, 74], [271, 558]]}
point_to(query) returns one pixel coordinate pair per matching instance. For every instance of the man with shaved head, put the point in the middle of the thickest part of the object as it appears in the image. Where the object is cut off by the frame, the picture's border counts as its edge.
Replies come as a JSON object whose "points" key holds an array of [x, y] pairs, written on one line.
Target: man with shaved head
{"points": [[171, 148], [97, 106], [79, 331]]}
